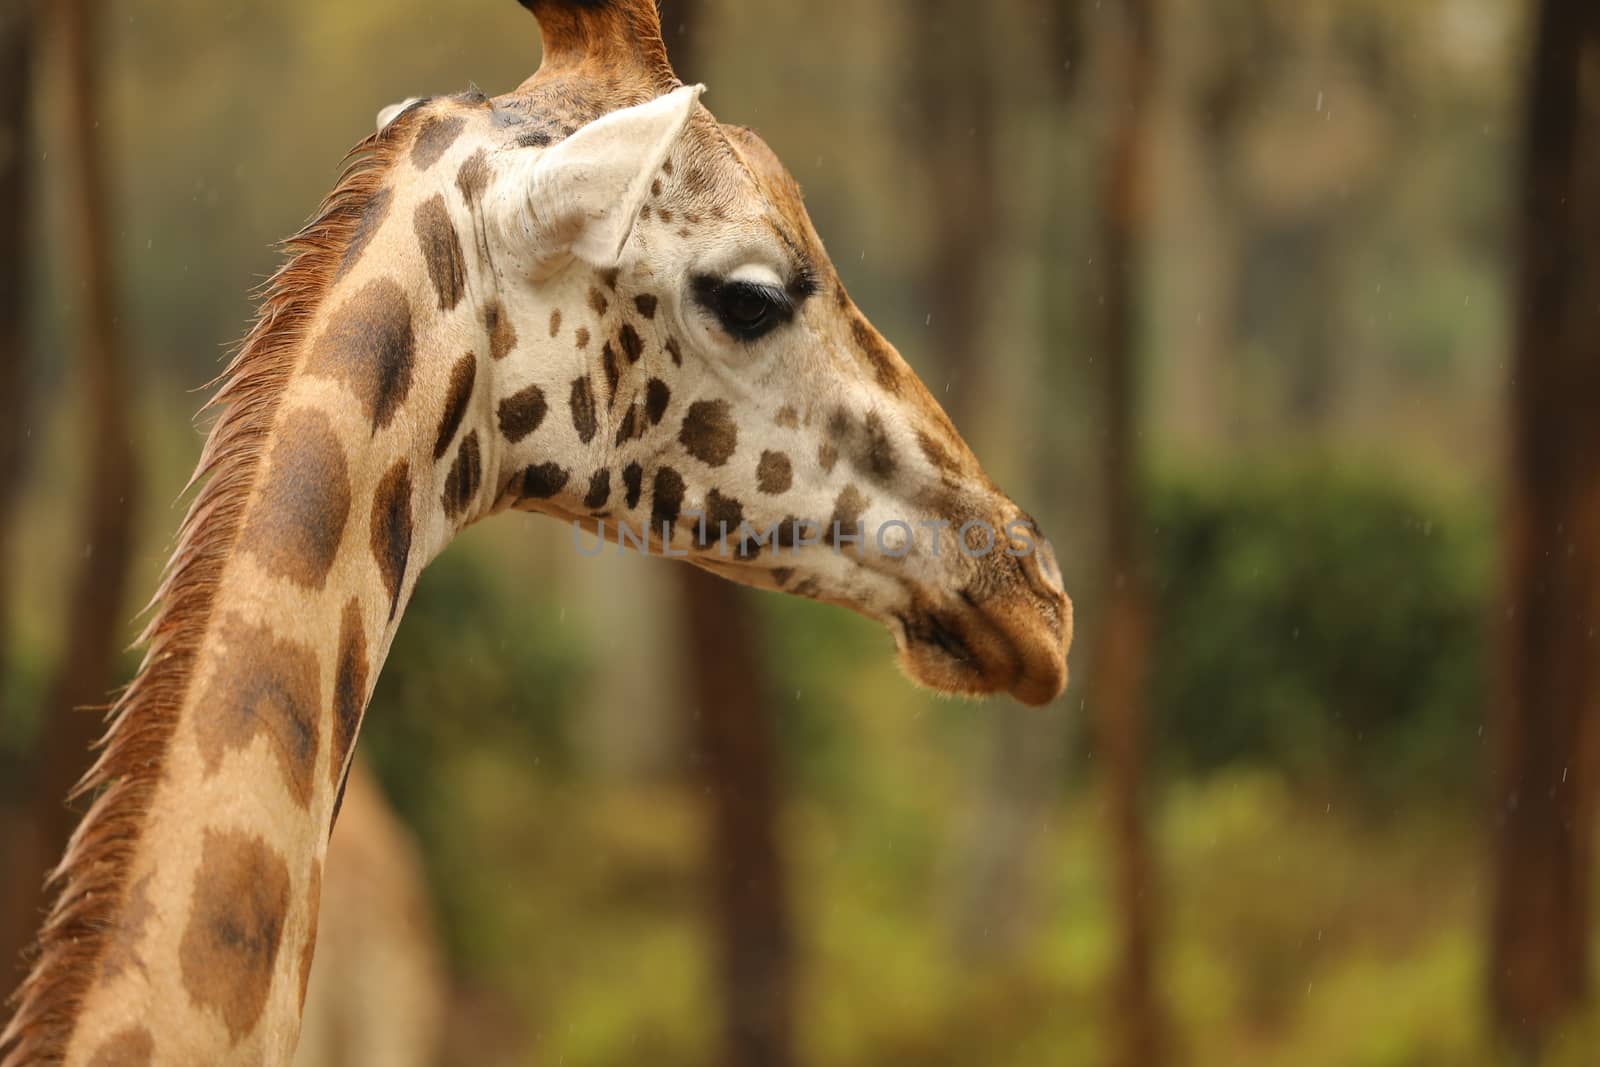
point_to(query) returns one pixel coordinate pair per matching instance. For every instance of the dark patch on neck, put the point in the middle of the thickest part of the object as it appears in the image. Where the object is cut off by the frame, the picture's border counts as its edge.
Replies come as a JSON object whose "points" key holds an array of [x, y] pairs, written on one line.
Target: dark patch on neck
{"points": [[466, 475], [434, 138], [369, 345], [473, 177], [543, 481], [262, 685], [371, 221], [582, 405], [875, 454], [441, 251], [646, 305], [462, 378], [349, 689], [131, 1046], [613, 372], [633, 483], [846, 518], [885, 367], [632, 426], [599, 489], [723, 514], [656, 398], [297, 521], [666, 501], [237, 908], [391, 530], [522, 413], [629, 341], [502, 335]]}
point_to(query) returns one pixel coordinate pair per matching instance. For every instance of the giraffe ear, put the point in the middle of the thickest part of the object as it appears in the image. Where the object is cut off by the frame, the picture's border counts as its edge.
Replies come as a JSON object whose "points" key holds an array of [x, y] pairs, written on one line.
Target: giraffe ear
{"points": [[585, 193], [392, 112]]}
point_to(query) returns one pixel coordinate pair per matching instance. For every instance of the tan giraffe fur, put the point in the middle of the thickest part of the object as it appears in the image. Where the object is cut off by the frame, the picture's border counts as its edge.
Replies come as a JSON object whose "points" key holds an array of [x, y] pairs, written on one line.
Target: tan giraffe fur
{"points": [[542, 301]]}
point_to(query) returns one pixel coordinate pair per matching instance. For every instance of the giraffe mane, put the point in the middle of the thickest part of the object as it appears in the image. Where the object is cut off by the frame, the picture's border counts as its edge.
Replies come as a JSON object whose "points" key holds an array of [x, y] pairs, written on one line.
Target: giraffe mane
{"points": [[91, 879]]}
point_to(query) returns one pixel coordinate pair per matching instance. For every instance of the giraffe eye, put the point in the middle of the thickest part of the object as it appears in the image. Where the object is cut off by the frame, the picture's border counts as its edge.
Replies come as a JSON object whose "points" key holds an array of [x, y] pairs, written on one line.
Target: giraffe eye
{"points": [[747, 310]]}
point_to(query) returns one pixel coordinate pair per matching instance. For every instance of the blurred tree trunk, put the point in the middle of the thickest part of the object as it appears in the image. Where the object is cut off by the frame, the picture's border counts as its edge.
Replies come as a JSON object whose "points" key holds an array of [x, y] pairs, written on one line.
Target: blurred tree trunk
{"points": [[1548, 718], [1125, 631], [956, 82], [732, 733], [18, 893], [952, 88], [95, 619]]}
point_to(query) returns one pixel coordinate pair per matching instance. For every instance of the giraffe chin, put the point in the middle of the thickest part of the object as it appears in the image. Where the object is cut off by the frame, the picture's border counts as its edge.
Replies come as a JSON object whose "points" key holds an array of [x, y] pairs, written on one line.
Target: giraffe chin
{"points": [[966, 651]]}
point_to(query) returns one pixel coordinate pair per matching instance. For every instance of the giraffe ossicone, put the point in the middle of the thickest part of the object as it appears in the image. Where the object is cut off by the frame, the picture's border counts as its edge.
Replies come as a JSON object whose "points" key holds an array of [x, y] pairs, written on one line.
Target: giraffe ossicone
{"points": [[585, 298]]}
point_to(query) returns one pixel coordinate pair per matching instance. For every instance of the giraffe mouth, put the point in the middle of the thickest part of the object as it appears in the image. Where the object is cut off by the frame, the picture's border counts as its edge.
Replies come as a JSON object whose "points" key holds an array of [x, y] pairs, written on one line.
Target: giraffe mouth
{"points": [[975, 649]]}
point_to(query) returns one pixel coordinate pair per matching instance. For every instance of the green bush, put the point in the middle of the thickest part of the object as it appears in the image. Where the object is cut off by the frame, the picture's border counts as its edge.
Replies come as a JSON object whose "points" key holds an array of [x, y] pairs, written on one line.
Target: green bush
{"points": [[1331, 623]]}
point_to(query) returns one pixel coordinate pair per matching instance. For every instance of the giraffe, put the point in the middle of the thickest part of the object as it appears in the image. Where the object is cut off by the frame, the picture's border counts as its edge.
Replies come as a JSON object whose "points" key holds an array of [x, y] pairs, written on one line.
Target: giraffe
{"points": [[587, 299]]}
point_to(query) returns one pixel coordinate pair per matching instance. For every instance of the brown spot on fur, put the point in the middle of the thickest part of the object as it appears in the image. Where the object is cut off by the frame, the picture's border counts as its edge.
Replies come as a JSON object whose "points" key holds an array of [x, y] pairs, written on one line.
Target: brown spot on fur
{"points": [[391, 530], [631, 426], [633, 482], [655, 187], [666, 216], [875, 453], [846, 519], [656, 398], [613, 372], [672, 350], [942, 459], [263, 685], [371, 220], [582, 405], [666, 500], [581, 337], [437, 134], [521, 413], [599, 489], [463, 375], [122, 946], [473, 177], [628, 340], [709, 432], [296, 523], [782, 575], [827, 456], [774, 474], [349, 688], [788, 418], [878, 353], [502, 335], [441, 251], [309, 949], [723, 514], [236, 916], [131, 1046], [598, 302], [555, 321], [370, 347], [466, 474], [544, 481], [609, 276], [646, 305]]}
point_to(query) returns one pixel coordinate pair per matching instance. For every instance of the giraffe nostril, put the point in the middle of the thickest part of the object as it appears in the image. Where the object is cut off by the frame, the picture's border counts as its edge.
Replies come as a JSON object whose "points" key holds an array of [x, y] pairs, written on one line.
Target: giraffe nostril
{"points": [[1043, 571]]}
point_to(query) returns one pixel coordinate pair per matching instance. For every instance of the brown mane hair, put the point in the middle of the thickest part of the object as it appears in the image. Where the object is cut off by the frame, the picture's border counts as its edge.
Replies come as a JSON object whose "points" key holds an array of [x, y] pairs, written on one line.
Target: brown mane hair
{"points": [[91, 879]]}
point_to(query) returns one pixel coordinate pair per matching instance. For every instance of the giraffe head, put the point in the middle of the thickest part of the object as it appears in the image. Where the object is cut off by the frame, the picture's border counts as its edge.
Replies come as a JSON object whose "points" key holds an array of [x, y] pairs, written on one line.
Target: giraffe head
{"points": [[674, 352]]}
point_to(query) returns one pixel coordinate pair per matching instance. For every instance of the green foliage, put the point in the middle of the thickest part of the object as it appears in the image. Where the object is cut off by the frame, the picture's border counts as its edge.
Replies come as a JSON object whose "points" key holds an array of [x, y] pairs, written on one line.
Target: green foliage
{"points": [[1327, 623]]}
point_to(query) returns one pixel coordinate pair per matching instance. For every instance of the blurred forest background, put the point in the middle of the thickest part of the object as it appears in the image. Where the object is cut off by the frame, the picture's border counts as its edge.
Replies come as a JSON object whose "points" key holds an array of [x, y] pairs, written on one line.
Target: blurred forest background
{"points": [[1275, 315]]}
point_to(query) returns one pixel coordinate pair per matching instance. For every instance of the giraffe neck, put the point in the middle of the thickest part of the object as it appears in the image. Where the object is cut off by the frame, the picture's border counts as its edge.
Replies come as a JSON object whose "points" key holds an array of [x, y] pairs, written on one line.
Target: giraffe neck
{"points": [[348, 455]]}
